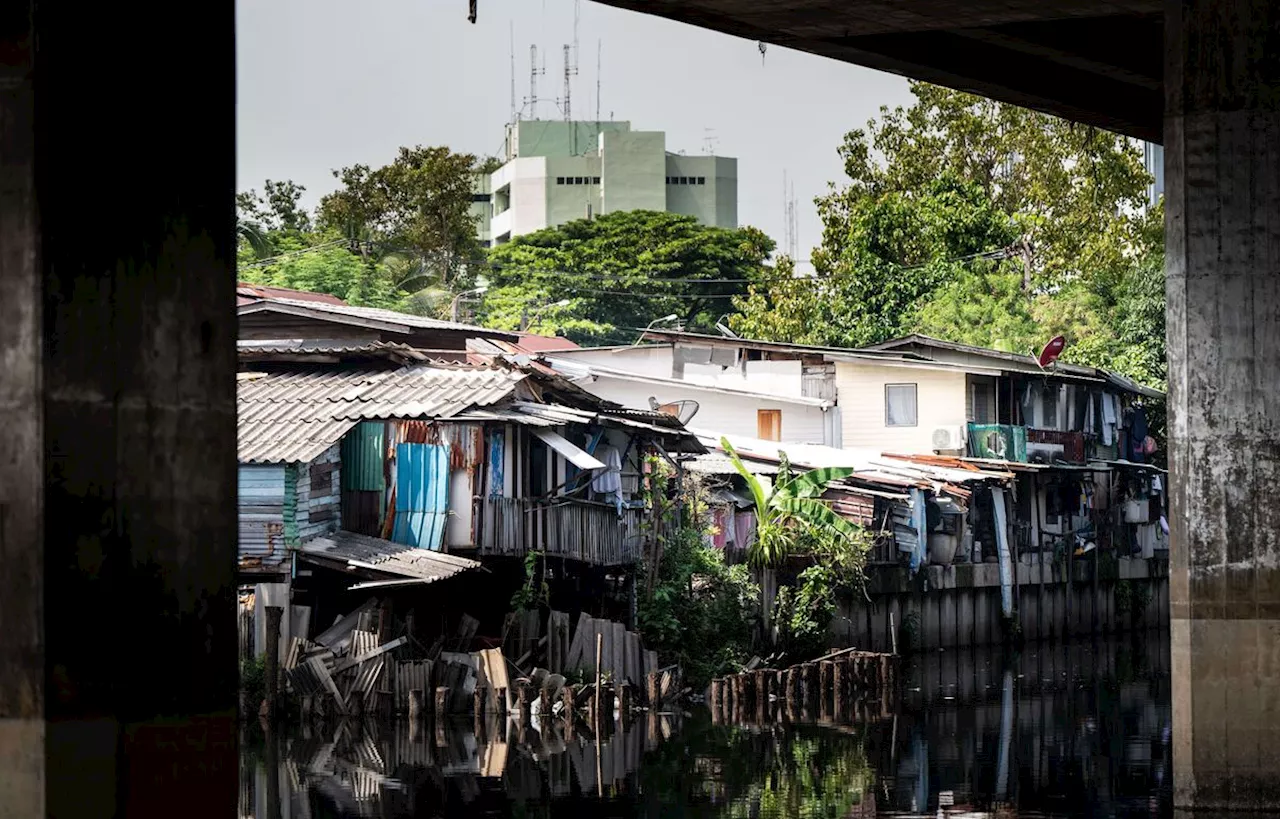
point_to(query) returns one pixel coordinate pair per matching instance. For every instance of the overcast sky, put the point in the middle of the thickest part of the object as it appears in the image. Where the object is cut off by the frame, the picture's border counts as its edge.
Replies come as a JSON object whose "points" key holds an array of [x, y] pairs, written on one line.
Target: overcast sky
{"points": [[328, 83]]}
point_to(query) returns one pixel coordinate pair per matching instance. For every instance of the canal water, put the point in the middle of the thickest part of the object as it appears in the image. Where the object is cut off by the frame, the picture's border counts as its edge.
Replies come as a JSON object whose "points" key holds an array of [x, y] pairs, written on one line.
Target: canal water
{"points": [[1081, 729]]}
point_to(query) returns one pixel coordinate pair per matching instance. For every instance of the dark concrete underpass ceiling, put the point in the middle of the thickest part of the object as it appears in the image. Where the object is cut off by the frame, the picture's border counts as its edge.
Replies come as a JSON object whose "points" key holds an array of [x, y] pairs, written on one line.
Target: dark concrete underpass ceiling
{"points": [[1095, 61]]}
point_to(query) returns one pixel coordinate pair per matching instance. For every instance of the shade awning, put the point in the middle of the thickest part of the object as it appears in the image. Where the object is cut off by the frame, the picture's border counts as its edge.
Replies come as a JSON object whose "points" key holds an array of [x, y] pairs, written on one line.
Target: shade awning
{"points": [[572, 452]]}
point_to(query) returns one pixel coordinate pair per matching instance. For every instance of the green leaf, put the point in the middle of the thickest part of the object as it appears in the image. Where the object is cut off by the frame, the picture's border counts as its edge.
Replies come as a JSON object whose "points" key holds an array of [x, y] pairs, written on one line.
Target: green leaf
{"points": [[816, 513], [758, 492], [814, 482]]}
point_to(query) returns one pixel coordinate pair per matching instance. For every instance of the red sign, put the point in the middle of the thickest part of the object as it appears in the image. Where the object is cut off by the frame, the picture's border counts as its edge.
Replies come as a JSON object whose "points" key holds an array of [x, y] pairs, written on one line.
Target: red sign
{"points": [[1052, 350]]}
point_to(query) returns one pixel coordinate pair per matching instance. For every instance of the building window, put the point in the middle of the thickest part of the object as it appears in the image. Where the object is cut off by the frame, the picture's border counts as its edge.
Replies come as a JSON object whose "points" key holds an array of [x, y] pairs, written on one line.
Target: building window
{"points": [[479, 197], [900, 405], [702, 180], [769, 425], [559, 180], [595, 180]]}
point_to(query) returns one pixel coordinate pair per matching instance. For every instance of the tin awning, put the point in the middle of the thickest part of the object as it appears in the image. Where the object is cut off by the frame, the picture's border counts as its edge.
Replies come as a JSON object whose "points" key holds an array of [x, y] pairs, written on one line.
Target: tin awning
{"points": [[572, 452]]}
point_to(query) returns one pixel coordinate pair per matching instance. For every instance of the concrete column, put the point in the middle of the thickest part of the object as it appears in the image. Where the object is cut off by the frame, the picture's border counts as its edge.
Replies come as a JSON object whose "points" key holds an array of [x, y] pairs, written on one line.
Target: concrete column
{"points": [[117, 463], [1222, 168]]}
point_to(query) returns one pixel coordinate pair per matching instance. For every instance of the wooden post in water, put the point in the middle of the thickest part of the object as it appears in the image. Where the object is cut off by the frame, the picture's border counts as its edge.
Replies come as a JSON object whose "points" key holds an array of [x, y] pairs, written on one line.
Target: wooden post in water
{"points": [[748, 695], [810, 691], [793, 692], [713, 698], [763, 680], [544, 705], [272, 657], [827, 679], [522, 702], [442, 702], [837, 690], [624, 705], [654, 692]]}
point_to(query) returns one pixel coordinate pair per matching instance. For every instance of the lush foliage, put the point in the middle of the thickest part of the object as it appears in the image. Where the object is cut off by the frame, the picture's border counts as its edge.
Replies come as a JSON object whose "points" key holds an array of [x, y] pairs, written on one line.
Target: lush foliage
{"points": [[803, 612], [536, 591], [791, 518], [701, 613], [401, 236], [983, 223], [618, 272]]}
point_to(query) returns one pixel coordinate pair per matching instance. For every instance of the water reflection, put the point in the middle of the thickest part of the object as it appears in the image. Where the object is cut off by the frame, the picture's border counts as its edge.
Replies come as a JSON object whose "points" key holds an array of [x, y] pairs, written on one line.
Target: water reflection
{"points": [[1068, 730]]}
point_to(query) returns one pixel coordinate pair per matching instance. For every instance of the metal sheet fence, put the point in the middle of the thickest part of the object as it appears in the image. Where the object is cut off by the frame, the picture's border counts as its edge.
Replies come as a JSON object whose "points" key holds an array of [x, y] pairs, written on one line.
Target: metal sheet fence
{"points": [[592, 533]]}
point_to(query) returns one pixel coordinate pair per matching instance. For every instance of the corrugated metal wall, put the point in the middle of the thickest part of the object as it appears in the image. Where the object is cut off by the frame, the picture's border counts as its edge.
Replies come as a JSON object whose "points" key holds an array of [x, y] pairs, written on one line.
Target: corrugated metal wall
{"points": [[261, 511], [363, 457], [422, 494], [319, 496]]}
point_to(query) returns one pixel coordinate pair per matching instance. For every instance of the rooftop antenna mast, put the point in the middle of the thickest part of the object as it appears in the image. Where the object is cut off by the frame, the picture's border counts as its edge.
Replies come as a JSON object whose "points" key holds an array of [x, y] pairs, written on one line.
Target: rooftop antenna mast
{"points": [[709, 140], [791, 240], [599, 49], [515, 113], [534, 71]]}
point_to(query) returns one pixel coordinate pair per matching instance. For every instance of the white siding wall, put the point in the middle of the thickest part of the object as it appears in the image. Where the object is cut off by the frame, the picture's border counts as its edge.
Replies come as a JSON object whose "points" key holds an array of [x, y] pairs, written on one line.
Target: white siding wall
{"points": [[720, 412], [940, 402], [654, 360]]}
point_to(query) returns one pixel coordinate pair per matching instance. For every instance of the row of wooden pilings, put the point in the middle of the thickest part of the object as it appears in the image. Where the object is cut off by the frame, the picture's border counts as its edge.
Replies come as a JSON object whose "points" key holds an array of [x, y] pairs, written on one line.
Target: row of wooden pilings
{"points": [[845, 686]]}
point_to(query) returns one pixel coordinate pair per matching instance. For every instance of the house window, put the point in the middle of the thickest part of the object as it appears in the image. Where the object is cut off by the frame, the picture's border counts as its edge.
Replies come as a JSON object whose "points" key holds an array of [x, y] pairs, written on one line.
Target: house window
{"points": [[595, 180], [769, 424], [900, 405], [702, 180], [559, 180]]}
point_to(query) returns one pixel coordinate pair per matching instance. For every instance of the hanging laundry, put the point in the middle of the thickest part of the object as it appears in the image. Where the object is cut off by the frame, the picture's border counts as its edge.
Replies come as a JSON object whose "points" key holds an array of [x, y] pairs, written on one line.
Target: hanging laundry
{"points": [[1110, 418], [1138, 435]]}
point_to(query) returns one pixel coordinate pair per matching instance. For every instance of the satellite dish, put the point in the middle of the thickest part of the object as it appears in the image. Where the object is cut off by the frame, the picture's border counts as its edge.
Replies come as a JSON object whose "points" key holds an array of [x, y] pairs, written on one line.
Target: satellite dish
{"points": [[684, 410], [1052, 350], [725, 331]]}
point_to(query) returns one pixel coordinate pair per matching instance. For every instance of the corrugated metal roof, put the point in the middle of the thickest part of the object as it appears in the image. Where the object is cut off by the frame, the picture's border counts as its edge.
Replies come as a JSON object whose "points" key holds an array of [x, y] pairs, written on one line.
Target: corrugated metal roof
{"points": [[383, 556], [294, 416], [388, 317]]}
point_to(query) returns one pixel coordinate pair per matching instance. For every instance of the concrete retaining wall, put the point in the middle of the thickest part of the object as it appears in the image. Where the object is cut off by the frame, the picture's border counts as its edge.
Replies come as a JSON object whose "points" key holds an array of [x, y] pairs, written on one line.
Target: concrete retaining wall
{"points": [[957, 606]]}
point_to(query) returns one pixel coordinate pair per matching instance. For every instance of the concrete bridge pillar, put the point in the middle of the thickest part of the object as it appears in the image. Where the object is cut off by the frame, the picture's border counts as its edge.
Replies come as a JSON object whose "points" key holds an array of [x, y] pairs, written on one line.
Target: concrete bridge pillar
{"points": [[117, 409], [1222, 166]]}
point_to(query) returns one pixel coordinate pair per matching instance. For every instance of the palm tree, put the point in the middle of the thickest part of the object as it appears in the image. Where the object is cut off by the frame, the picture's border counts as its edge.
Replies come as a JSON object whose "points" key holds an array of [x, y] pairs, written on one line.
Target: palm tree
{"points": [[255, 237]]}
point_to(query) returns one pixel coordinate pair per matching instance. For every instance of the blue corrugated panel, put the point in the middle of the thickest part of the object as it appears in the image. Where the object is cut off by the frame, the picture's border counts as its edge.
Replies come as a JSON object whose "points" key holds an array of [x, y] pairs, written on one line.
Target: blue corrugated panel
{"points": [[422, 495], [497, 462]]}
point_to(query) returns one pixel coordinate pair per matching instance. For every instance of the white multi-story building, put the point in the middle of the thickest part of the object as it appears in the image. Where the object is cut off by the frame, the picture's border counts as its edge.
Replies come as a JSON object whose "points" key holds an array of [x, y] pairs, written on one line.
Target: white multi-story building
{"points": [[557, 171]]}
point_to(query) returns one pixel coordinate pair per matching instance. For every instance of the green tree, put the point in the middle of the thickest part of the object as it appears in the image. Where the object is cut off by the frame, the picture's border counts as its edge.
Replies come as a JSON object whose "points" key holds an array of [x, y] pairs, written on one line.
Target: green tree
{"points": [[984, 223], [621, 271], [417, 207]]}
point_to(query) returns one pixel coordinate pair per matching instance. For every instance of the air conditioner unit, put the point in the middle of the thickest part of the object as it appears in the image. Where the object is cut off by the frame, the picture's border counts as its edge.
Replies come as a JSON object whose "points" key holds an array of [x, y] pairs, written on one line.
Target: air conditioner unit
{"points": [[1044, 453], [949, 438]]}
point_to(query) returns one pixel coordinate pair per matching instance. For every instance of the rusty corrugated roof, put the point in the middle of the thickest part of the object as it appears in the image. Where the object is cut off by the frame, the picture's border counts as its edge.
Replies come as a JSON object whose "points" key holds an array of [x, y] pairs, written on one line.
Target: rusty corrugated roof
{"points": [[295, 416]]}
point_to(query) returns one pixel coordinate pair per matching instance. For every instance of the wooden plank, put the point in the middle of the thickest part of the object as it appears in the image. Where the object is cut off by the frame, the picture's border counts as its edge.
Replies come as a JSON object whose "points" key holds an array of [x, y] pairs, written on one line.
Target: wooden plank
{"points": [[619, 652], [467, 628], [557, 641], [574, 659], [650, 663], [633, 659], [352, 662]]}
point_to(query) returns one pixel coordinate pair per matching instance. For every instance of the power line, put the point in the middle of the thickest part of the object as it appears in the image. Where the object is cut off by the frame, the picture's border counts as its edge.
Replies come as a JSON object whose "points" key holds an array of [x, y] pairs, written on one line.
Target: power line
{"points": [[293, 253]]}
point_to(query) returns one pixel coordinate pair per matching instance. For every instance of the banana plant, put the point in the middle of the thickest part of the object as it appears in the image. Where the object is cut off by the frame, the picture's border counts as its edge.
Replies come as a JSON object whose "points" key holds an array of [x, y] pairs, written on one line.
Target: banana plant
{"points": [[788, 506]]}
